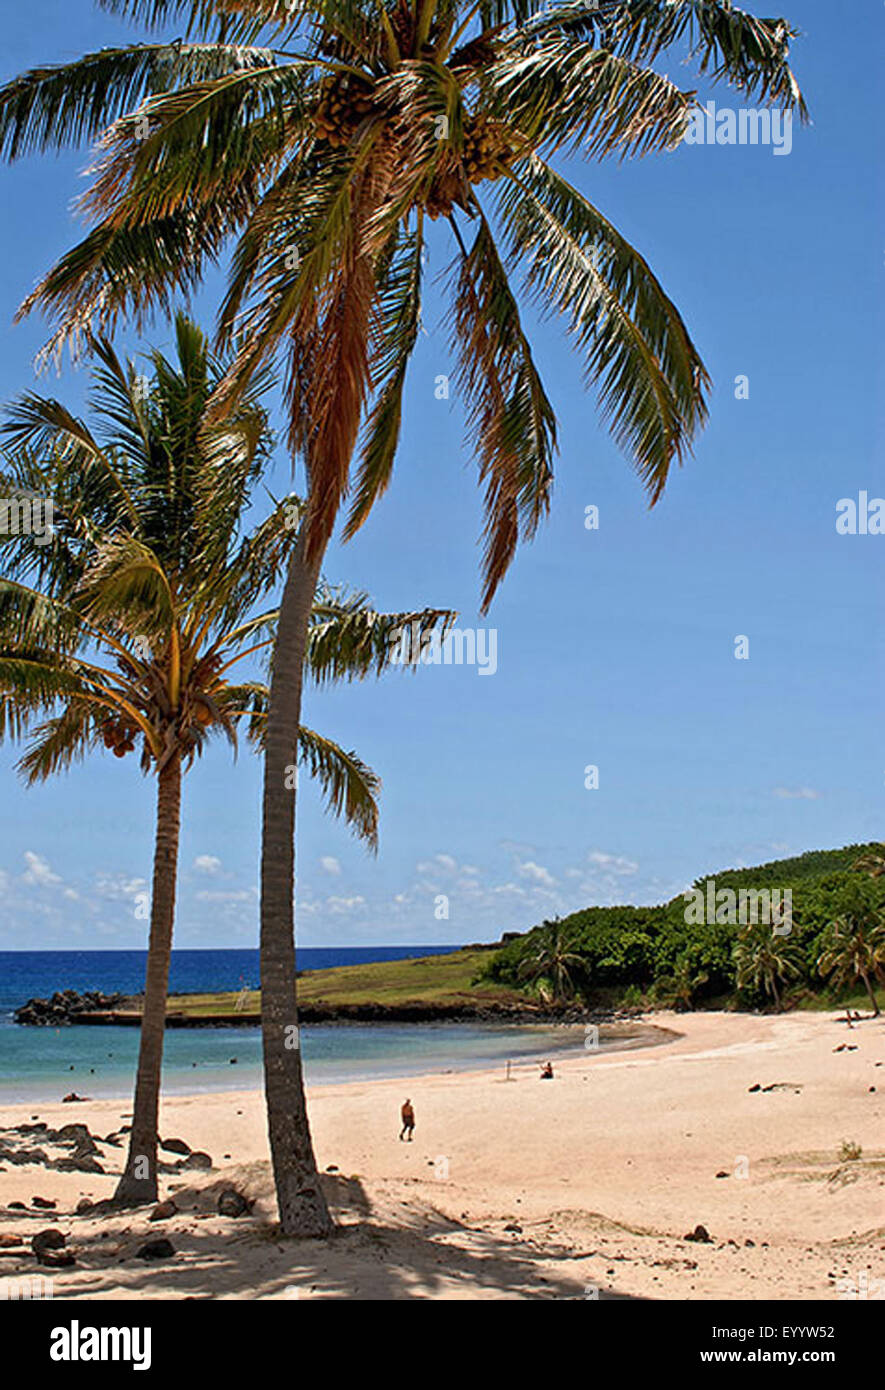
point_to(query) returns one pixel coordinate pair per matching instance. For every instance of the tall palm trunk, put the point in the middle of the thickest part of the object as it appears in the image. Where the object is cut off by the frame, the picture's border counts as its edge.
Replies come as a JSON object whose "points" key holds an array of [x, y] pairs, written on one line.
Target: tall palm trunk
{"points": [[302, 1205], [139, 1181]]}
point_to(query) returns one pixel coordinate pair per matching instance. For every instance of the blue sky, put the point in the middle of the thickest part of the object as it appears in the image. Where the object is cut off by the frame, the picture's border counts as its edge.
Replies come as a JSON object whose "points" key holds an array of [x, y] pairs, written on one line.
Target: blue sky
{"points": [[615, 646]]}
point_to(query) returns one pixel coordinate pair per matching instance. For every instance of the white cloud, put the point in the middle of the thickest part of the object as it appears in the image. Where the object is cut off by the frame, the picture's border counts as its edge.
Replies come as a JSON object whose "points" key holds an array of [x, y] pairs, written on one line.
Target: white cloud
{"points": [[344, 904], [330, 864], [118, 886], [537, 873], [616, 863], [796, 793], [439, 861], [207, 864], [38, 871], [240, 895]]}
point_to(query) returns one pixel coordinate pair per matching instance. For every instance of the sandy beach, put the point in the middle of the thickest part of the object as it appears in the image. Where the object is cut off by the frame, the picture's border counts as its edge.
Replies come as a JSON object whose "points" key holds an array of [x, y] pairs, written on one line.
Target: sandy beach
{"points": [[581, 1187]]}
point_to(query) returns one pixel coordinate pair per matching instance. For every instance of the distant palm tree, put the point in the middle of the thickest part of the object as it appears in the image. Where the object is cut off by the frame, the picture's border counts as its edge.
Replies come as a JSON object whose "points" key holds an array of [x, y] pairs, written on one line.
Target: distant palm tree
{"points": [[325, 136], [678, 989], [854, 949], [142, 601], [872, 862], [763, 959], [552, 959]]}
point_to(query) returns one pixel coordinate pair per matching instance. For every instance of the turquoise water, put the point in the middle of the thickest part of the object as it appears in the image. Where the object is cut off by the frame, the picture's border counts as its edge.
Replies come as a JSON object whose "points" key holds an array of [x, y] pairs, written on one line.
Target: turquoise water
{"points": [[41, 1064], [44, 1064]]}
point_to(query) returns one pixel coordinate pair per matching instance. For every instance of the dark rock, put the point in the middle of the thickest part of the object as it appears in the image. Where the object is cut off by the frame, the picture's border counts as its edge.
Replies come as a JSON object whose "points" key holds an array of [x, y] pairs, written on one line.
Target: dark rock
{"points": [[232, 1203], [332, 1168], [722, 1174], [155, 1250], [175, 1146], [701, 1235], [31, 1129], [17, 1206], [52, 1239], [163, 1210], [77, 1165], [45, 1203], [197, 1159], [55, 1259], [70, 1134], [84, 1205], [512, 1226], [751, 1244], [757, 1087], [9, 1242], [65, 1007], [22, 1156]]}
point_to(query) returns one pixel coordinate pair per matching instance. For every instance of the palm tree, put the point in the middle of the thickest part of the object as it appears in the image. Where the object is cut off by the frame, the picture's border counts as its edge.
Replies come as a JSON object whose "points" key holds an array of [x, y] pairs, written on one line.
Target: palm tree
{"points": [[678, 990], [552, 959], [323, 137], [871, 862], [140, 607], [763, 959], [854, 949]]}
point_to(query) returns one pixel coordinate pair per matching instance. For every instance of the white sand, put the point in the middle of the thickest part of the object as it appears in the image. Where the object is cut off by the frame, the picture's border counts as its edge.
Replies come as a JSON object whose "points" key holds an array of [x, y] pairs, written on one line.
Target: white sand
{"points": [[604, 1169]]}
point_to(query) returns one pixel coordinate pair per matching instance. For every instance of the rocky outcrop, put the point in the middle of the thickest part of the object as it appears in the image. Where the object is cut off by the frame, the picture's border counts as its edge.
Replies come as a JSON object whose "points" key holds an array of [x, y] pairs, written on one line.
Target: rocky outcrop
{"points": [[66, 1007]]}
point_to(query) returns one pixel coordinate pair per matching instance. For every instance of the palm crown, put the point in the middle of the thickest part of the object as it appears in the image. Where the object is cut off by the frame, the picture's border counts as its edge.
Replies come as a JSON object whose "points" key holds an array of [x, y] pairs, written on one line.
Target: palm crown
{"points": [[147, 595], [322, 135]]}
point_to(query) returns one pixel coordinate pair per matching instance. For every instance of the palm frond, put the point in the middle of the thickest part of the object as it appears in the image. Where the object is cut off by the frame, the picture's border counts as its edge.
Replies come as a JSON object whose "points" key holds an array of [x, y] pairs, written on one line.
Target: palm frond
{"points": [[349, 785], [398, 320], [511, 421], [74, 103], [61, 741], [649, 378], [561, 93], [348, 640]]}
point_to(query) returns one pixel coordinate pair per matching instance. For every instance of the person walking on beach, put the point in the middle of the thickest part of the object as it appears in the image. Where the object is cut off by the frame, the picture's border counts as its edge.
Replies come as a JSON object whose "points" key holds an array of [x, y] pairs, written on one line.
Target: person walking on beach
{"points": [[408, 1116]]}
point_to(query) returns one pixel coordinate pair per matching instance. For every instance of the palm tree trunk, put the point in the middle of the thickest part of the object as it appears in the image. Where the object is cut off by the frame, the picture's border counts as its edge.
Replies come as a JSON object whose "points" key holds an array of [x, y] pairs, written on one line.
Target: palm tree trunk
{"points": [[871, 992], [139, 1181], [300, 1199]]}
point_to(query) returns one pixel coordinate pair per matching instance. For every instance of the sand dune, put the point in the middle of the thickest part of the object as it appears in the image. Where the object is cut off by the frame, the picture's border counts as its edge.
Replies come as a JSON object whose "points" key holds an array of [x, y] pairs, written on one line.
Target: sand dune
{"points": [[578, 1188]]}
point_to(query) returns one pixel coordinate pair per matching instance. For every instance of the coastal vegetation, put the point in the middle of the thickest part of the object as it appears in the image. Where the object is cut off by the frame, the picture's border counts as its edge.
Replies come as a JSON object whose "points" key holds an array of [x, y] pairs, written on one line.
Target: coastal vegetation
{"points": [[659, 955]]}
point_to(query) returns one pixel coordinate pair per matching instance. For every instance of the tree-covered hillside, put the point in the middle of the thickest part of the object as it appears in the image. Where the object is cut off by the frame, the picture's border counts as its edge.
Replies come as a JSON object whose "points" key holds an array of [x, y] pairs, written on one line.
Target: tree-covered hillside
{"points": [[664, 955]]}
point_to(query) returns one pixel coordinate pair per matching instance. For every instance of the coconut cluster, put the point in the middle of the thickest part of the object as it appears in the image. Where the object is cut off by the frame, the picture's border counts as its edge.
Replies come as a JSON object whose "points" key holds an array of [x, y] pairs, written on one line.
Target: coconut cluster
{"points": [[487, 144], [345, 101], [119, 736]]}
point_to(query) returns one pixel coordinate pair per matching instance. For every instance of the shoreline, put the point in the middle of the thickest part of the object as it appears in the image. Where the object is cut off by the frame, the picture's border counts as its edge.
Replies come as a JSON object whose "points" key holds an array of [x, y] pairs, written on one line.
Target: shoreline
{"points": [[618, 1036]]}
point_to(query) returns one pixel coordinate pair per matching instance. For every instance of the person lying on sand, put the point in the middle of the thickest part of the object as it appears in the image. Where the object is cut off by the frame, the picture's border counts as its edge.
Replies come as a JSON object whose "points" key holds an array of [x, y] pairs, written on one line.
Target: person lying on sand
{"points": [[408, 1116]]}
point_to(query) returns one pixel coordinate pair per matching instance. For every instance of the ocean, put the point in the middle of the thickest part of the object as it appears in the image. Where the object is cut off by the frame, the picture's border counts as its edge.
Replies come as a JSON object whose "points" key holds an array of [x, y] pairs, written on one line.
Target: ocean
{"points": [[42, 1064]]}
